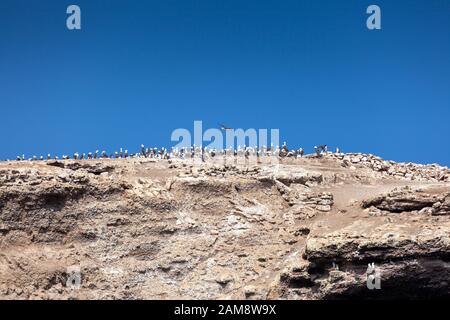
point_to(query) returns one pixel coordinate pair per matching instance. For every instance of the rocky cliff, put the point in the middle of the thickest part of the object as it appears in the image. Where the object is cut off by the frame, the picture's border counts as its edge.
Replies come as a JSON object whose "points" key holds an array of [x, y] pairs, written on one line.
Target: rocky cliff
{"points": [[307, 228]]}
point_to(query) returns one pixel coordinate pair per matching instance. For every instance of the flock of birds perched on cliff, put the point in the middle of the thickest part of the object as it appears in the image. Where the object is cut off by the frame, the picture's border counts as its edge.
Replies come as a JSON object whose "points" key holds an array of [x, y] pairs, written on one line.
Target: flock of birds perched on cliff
{"points": [[185, 152]]}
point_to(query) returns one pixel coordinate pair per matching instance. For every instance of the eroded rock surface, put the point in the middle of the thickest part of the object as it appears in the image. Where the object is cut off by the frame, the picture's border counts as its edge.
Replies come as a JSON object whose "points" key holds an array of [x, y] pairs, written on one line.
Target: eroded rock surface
{"points": [[301, 229]]}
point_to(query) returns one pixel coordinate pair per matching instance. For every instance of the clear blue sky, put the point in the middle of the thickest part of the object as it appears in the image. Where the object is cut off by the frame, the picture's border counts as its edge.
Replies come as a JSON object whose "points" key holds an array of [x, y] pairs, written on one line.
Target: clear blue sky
{"points": [[139, 69]]}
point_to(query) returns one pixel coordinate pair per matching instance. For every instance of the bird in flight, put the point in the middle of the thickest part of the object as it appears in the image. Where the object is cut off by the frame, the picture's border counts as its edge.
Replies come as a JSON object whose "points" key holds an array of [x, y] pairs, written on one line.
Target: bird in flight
{"points": [[224, 128]]}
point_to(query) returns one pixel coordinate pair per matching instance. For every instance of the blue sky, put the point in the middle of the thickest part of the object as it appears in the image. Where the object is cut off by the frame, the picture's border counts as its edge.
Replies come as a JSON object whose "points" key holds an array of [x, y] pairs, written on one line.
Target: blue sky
{"points": [[140, 69]]}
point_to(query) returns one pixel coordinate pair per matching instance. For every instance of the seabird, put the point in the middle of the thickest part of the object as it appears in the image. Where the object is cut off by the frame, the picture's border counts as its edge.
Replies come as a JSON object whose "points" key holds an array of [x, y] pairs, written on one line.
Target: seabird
{"points": [[224, 128]]}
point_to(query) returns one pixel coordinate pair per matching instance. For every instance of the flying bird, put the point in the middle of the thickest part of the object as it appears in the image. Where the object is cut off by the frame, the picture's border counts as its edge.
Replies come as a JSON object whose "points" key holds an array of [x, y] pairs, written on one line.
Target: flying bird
{"points": [[224, 128]]}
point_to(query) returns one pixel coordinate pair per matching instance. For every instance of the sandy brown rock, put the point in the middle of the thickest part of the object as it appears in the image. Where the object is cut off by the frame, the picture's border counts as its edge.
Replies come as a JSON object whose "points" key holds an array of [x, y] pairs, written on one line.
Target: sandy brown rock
{"points": [[300, 229]]}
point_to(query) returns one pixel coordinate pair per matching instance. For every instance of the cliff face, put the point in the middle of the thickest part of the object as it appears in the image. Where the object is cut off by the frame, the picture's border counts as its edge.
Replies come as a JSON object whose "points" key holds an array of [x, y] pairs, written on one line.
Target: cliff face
{"points": [[304, 229]]}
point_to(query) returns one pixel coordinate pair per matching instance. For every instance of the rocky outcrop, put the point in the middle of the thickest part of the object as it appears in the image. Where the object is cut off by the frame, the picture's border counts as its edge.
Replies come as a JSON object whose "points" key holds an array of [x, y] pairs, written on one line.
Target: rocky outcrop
{"points": [[90, 167], [408, 200], [303, 202], [151, 229], [404, 171], [43, 203], [336, 265]]}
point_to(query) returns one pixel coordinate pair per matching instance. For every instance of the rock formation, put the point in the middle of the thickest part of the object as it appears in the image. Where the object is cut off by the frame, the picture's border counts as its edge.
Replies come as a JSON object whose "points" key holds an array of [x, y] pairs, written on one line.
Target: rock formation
{"points": [[306, 228]]}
